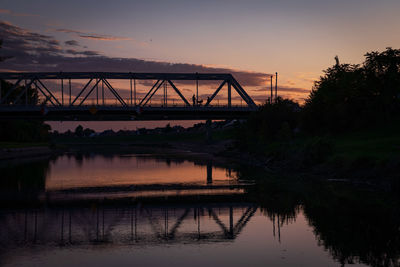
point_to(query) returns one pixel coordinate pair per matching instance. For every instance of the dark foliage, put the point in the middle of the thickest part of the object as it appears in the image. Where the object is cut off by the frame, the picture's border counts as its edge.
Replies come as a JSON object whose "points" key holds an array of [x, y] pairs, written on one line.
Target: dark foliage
{"points": [[352, 97], [276, 121], [22, 130]]}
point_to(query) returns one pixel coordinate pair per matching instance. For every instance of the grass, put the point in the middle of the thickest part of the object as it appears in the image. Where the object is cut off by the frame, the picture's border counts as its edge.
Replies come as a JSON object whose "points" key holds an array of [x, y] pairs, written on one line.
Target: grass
{"points": [[378, 144]]}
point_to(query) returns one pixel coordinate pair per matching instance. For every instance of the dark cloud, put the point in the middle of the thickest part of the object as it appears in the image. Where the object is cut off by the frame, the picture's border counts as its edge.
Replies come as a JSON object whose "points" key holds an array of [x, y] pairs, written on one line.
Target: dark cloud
{"points": [[67, 31], [85, 53], [20, 44], [36, 52], [72, 43], [94, 36]]}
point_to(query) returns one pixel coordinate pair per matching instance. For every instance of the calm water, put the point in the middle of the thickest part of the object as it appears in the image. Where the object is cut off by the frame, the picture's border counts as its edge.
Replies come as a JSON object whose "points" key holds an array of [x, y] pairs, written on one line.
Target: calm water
{"points": [[142, 210]]}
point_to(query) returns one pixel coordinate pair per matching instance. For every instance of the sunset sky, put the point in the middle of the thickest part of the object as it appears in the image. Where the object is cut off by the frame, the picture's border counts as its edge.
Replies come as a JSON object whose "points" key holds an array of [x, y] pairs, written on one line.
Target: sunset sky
{"points": [[297, 39]]}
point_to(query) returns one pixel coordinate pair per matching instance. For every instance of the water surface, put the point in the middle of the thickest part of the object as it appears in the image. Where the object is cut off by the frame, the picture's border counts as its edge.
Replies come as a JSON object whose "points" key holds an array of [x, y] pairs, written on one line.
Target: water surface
{"points": [[143, 210]]}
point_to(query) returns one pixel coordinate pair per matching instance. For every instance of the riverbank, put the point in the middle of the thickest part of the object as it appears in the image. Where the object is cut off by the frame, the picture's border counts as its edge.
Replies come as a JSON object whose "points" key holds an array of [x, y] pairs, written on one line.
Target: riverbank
{"points": [[364, 157], [19, 151], [369, 156]]}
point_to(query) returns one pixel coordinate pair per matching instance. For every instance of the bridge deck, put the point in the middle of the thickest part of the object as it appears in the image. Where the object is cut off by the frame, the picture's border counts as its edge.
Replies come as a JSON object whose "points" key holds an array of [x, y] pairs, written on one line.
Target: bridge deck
{"points": [[119, 113]]}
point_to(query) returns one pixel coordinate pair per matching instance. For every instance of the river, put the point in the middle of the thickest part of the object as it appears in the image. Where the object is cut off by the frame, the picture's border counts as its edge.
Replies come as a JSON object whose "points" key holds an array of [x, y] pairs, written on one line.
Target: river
{"points": [[107, 209]]}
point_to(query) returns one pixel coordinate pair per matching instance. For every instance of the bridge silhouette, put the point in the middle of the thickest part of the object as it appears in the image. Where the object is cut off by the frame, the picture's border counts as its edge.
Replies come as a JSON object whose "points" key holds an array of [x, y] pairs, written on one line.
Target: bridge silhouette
{"points": [[59, 103]]}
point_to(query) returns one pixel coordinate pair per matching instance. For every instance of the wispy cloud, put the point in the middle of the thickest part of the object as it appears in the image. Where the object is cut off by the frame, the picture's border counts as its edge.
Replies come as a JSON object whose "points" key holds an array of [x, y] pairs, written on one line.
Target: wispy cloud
{"points": [[9, 12], [94, 36]]}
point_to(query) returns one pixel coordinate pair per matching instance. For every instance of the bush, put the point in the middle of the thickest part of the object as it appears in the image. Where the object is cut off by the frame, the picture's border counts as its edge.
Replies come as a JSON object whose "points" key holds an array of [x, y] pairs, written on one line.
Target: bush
{"points": [[317, 151]]}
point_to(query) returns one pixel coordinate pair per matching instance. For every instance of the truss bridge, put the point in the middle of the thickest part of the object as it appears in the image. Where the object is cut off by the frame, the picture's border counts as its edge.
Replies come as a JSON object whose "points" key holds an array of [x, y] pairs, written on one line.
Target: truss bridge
{"points": [[68, 96]]}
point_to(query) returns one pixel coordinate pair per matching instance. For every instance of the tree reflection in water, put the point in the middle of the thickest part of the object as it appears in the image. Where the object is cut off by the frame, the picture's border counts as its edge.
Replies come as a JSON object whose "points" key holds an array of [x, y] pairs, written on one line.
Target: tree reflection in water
{"points": [[354, 224]]}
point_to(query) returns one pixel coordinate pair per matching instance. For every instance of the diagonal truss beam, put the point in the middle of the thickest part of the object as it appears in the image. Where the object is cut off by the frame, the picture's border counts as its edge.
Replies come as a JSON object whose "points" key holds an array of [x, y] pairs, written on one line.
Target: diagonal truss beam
{"points": [[119, 98], [242, 92], [91, 90], [178, 223], [219, 222], [149, 92], [24, 91], [215, 93], [44, 94], [237, 229], [158, 87], [48, 91], [178, 92], [81, 92]]}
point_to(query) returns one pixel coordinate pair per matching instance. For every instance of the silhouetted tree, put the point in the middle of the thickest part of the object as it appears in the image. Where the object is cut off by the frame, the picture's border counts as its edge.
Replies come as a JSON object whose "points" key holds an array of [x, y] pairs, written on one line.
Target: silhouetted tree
{"points": [[352, 96], [79, 131], [274, 121]]}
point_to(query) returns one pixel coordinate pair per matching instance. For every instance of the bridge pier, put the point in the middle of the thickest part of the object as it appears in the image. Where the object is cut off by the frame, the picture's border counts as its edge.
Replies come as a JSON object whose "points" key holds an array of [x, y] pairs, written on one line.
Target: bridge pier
{"points": [[209, 173]]}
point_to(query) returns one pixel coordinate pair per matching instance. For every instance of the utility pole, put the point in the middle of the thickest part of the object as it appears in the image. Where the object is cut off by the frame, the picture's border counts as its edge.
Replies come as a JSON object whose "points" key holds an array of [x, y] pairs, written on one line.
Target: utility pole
{"points": [[197, 89], [131, 89], [276, 86], [272, 91]]}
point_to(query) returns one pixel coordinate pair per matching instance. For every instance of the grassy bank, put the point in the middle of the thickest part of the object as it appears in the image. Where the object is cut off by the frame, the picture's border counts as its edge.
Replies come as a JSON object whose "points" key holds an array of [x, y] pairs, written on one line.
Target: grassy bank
{"points": [[365, 155]]}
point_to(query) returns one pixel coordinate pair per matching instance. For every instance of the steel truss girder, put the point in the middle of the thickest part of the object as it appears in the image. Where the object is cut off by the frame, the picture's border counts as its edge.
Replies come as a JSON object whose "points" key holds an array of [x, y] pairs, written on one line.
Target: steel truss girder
{"points": [[161, 78]]}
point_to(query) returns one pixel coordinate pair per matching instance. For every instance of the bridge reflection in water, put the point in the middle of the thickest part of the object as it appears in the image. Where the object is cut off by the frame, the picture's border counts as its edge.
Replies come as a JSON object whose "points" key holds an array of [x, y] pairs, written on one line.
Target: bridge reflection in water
{"points": [[125, 225]]}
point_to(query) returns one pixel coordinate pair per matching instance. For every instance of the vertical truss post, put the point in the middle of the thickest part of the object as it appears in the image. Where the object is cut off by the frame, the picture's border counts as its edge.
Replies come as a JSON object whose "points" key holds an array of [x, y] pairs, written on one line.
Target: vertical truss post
{"points": [[70, 93], [97, 91], [130, 82], [102, 90], [134, 90], [165, 95], [229, 94], [231, 221], [26, 94], [62, 91]]}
